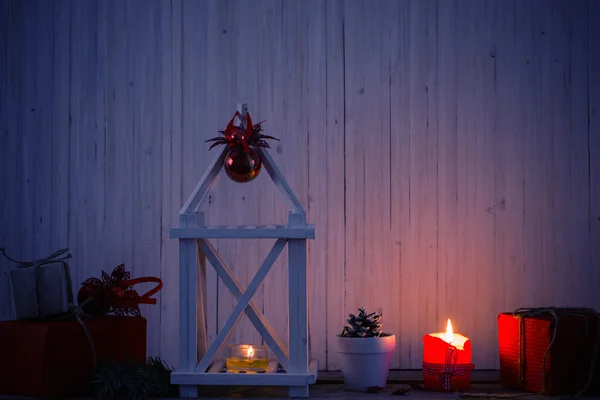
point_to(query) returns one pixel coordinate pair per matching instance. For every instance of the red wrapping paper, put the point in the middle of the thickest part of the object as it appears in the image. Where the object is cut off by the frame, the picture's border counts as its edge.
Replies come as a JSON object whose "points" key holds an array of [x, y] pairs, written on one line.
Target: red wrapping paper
{"points": [[457, 370], [567, 362], [54, 359]]}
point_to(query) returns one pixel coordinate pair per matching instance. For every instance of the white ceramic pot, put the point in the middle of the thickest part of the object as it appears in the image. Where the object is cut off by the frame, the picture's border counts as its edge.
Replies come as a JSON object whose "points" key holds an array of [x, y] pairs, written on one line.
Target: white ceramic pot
{"points": [[365, 362]]}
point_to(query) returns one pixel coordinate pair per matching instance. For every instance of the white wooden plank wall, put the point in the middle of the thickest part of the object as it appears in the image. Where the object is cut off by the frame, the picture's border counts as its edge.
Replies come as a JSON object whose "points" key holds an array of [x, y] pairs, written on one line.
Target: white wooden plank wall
{"points": [[447, 151]]}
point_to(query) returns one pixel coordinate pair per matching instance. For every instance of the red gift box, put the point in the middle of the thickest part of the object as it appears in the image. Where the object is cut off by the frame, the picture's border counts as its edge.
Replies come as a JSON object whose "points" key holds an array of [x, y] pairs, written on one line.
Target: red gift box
{"points": [[526, 337], [54, 359]]}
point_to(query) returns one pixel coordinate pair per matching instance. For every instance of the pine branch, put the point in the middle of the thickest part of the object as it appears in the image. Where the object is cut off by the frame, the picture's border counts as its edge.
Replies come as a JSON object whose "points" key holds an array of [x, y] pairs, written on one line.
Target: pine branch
{"points": [[134, 381]]}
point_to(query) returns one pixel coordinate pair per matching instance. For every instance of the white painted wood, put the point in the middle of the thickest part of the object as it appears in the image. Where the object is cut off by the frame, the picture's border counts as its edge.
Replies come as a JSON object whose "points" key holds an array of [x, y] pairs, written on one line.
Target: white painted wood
{"points": [[240, 121], [242, 304], [279, 181], [298, 306], [334, 236], [592, 275], [9, 145], [171, 181], [188, 294], [217, 366], [201, 301], [277, 379], [272, 367], [187, 300], [474, 127], [244, 232], [253, 312], [579, 61], [209, 179], [402, 284], [108, 106]]}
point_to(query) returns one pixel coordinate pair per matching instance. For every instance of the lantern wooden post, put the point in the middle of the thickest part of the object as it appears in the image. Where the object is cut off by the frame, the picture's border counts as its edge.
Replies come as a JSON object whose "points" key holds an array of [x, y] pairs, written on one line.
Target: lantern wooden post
{"points": [[197, 364]]}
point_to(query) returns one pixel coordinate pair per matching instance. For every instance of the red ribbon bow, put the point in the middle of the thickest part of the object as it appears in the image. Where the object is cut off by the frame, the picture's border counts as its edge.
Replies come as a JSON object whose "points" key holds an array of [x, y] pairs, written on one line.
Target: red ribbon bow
{"points": [[449, 369], [115, 293]]}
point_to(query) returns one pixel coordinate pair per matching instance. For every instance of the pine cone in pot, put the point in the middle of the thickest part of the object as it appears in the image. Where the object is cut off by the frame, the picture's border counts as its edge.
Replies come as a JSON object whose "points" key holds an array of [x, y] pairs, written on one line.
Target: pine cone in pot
{"points": [[363, 325]]}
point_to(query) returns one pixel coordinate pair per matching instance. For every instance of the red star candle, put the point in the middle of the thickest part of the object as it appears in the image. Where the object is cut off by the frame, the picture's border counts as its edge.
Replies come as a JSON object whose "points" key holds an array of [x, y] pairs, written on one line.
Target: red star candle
{"points": [[446, 361]]}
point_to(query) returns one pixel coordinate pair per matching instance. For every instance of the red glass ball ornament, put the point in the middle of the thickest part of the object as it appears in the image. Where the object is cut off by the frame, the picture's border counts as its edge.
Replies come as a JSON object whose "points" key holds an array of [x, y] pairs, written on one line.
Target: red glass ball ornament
{"points": [[241, 166], [98, 305]]}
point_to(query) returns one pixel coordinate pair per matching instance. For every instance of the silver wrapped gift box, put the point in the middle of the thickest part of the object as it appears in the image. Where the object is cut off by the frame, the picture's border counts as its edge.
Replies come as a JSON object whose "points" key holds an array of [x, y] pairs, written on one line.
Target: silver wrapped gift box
{"points": [[42, 288]]}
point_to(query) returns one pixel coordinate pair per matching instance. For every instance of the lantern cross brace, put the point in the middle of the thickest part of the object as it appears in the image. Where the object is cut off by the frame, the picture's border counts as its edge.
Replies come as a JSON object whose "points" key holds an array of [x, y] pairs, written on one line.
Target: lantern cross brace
{"points": [[245, 303]]}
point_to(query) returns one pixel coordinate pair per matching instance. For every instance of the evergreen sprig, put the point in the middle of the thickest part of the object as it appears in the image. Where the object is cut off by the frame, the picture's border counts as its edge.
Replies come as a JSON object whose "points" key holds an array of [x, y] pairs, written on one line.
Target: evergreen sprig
{"points": [[363, 325], [130, 380]]}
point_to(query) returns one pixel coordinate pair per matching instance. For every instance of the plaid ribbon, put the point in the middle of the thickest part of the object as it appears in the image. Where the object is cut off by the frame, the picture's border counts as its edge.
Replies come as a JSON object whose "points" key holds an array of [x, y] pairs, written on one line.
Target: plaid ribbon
{"points": [[446, 371]]}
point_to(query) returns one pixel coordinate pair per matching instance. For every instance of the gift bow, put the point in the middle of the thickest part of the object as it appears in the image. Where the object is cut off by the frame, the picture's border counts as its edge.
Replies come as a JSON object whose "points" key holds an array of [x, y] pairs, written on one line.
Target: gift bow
{"points": [[449, 369], [124, 297], [115, 292]]}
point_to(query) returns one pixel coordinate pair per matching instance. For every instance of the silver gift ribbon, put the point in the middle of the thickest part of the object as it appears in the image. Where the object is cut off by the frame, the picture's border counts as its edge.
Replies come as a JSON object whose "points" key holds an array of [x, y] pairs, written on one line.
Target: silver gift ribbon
{"points": [[74, 311]]}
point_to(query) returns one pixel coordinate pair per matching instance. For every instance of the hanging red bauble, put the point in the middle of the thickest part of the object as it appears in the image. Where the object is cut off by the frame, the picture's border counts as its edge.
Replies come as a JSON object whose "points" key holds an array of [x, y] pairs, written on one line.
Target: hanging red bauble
{"points": [[242, 163], [241, 166]]}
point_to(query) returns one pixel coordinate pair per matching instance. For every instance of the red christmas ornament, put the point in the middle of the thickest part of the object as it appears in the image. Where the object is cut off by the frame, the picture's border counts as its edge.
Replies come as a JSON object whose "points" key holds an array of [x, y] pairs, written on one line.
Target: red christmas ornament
{"points": [[242, 163], [241, 166], [115, 293]]}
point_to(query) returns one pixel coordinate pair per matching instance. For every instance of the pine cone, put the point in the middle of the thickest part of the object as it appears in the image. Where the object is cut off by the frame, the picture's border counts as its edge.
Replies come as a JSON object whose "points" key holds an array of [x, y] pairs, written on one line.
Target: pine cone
{"points": [[363, 325]]}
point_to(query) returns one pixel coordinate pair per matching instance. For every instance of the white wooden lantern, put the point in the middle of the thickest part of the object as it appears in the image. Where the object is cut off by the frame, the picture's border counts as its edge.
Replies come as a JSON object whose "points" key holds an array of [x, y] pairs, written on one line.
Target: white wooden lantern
{"points": [[194, 245]]}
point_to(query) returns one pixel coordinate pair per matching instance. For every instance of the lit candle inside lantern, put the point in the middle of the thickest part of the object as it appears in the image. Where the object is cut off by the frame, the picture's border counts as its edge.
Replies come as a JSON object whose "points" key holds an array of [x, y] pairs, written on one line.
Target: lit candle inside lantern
{"points": [[446, 361], [246, 358]]}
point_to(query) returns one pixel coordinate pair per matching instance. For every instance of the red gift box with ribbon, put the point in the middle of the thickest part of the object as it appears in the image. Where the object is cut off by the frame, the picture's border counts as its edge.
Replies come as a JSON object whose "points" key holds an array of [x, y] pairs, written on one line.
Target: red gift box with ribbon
{"points": [[54, 359], [57, 358], [550, 350]]}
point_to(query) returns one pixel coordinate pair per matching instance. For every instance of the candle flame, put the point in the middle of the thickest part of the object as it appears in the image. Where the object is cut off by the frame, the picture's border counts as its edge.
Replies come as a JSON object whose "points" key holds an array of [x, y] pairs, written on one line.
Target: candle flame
{"points": [[449, 337], [250, 351]]}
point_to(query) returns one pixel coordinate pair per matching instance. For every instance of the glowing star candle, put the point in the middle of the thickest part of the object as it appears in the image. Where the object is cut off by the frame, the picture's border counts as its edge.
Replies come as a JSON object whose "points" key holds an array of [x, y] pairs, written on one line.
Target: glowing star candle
{"points": [[246, 358], [446, 361]]}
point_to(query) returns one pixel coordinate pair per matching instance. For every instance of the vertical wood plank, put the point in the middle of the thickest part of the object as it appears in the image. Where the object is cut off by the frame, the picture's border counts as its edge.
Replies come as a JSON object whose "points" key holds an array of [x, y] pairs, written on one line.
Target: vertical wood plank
{"points": [[543, 32], [400, 158], [8, 147], [592, 272], [315, 118], [532, 168], [564, 273], [83, 100], [60, 143], [298, 308], [422, 240], [187, 305], [146, 95], [355, 61], [557, 270], [27, 133], [447, 121], [475, 124], [578, 243], [332, 227], [41, 115], [171, 48], [510, 67]]}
